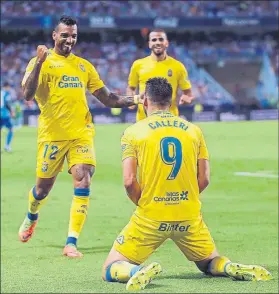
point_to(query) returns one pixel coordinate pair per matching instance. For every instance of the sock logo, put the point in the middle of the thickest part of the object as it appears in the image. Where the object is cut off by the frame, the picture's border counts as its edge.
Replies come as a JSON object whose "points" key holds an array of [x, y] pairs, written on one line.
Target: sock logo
{"points": [[120, 239]]}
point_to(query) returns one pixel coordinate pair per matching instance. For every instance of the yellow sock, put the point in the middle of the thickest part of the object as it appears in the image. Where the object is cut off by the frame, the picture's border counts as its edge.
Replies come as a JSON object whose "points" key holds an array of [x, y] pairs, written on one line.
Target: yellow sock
{"points": [[217, 265], [121, 271], [78, 216], [34, 205]]}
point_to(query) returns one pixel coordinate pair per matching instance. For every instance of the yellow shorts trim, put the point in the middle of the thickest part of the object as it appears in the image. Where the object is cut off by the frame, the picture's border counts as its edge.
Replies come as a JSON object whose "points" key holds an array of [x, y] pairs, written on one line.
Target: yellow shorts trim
{"points": [[141, 237], [51, 155]]}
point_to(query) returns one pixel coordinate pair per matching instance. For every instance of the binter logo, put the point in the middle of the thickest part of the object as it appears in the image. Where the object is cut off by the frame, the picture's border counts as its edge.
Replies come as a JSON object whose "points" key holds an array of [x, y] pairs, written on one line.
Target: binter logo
{"points": [[167, 227]]}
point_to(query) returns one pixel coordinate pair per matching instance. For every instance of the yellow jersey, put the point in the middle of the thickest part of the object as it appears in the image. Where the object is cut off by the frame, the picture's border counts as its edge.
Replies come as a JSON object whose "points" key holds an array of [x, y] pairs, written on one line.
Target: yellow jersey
{"points": [[61, 96], [167, 149], [171, 69]]}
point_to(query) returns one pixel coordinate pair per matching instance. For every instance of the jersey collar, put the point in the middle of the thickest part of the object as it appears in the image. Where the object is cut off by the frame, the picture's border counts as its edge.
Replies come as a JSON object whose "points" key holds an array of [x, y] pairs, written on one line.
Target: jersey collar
{"points": [[167, 57], [71, 56], [161, 113]]}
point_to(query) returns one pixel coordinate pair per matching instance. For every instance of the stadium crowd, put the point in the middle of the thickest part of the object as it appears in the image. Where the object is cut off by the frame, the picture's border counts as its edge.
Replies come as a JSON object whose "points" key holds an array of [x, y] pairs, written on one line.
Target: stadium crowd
{"points": [[113, 62], [142, 8]]}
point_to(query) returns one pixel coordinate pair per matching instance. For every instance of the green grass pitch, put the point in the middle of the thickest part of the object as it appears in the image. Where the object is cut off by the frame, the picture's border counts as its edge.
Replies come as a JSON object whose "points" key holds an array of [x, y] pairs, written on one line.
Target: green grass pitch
{"points": [[241, 212]]}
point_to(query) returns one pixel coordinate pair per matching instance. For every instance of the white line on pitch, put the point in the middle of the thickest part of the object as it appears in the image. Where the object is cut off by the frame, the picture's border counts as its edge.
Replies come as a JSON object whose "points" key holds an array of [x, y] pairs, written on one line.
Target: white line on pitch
{"points": [[257, 174]]}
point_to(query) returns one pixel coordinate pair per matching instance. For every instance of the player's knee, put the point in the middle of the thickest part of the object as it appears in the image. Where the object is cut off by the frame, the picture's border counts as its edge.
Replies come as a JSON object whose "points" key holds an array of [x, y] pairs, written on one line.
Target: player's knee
{"points": [[104, 272], [203, 267], [83, 175], [41, 192]]}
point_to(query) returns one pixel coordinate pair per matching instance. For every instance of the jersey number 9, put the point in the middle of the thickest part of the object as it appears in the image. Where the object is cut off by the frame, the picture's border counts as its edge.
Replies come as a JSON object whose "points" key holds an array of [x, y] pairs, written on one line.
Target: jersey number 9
{"points": [[171, 154]]}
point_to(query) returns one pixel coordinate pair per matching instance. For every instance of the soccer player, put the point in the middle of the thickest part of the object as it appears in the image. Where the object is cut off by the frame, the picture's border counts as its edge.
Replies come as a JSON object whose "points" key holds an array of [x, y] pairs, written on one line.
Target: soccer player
{"points": [[159, 64], [7, 114], [172, 159], [58, 80]]}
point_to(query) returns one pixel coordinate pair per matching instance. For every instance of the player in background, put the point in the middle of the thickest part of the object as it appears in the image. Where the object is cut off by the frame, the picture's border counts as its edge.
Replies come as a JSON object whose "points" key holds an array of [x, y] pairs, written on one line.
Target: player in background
{"points": [[58, 80], [170, 156], [7, 114], [159, 64]]}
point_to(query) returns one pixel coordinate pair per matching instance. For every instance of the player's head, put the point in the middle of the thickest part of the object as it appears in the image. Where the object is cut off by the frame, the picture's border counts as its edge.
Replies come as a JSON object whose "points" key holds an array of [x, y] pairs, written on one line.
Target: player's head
{"points": [[158, 41], [65, 35], [158, 93]]}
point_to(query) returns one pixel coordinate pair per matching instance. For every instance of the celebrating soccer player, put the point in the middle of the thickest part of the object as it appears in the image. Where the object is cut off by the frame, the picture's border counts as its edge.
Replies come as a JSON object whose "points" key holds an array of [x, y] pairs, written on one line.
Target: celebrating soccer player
{"points": [[58, 80], [173, 164], [160, 64]]}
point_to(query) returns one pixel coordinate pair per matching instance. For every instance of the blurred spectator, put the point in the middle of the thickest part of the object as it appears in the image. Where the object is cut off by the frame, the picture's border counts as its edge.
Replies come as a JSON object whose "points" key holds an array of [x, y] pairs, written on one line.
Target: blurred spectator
{"points": [[113, 61], [141, 8]]}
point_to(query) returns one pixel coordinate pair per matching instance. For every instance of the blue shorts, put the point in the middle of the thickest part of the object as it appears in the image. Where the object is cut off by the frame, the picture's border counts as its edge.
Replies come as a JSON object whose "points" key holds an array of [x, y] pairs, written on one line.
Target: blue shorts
{"points": [[6, 121]]}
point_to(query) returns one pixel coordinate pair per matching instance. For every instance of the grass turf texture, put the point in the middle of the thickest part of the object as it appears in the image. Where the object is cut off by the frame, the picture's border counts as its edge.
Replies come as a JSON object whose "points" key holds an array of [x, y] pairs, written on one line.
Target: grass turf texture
{"points": [[241, 212]]}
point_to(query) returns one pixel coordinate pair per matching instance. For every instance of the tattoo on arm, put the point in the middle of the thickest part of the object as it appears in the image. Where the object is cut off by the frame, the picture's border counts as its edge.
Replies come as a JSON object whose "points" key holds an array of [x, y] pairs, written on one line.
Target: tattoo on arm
{"points": [[31, 84], [110, 99]]}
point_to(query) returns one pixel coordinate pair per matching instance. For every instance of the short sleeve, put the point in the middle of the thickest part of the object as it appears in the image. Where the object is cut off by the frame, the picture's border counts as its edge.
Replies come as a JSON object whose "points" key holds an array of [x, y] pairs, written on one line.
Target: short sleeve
{"points": [[133, 79], [128, 146], [203, 152], [94, 82], [184, 82]]}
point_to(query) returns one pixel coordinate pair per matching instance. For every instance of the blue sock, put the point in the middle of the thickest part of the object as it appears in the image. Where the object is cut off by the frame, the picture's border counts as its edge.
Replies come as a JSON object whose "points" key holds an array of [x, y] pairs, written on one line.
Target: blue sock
{"points": [[32, 216], [71, 240], [9, 137]]}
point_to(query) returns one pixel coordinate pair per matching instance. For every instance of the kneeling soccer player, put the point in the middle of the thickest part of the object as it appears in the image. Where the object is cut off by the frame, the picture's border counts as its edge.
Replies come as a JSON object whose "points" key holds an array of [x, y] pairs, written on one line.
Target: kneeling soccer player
{"points": [[173, 170]]}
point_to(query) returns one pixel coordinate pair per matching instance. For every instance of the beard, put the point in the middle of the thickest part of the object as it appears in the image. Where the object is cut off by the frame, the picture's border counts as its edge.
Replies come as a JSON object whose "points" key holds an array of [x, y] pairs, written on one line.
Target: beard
{"points": [[65, 48], [160, 52]]}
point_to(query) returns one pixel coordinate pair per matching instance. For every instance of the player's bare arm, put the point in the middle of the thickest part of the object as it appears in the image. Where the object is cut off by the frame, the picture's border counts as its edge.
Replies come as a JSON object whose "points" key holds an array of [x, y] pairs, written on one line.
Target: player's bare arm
{"points": [[187, 97], [203, 174], [31, 84], [131, 91], [110, 99], [131, 184]]}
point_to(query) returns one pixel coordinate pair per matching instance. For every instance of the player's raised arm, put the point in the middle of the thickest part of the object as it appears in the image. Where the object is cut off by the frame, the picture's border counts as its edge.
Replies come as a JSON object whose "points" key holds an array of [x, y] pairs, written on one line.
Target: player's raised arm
{"points": [[110, 99], [31, 79]]}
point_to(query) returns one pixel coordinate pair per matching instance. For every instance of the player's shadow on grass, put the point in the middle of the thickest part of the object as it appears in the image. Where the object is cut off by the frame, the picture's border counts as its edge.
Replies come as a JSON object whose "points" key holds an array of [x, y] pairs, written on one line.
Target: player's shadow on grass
{"points": [[93, 249], [185, 276]]}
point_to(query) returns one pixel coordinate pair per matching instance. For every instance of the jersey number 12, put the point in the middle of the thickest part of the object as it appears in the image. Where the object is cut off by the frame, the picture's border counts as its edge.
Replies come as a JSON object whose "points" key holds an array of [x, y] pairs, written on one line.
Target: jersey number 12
{"points": [[171, 154]]}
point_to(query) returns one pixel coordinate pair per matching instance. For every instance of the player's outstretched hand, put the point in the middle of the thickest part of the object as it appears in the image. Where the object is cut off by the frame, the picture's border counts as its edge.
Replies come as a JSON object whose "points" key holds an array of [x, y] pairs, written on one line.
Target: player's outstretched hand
{"points": [[42, 51], [186, 99]]}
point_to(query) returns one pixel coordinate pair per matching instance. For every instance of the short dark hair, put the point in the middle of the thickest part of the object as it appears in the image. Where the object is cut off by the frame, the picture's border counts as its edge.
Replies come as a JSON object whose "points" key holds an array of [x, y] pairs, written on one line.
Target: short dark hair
{"points": [[66, 20], [159, 91], [158, 30]]}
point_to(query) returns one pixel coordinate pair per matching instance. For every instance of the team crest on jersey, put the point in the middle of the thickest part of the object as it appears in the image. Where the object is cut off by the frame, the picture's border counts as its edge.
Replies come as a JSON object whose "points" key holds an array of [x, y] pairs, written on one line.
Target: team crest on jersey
{"points": [[44, 167], [81, 66], [170, 73], [120, 239]]}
